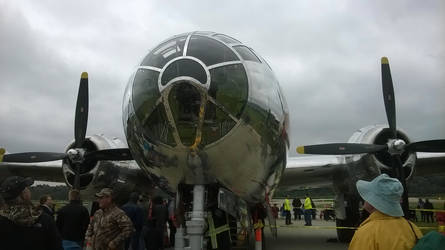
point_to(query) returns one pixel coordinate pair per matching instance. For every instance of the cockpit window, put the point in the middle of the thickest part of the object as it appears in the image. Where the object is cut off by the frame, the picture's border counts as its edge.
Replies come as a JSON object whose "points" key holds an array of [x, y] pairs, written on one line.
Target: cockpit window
{"points": [[216, 124], [162, 54], [184, 67], [157, 127], [145, 92], [210, 51], [229, 87], [246, 54], [226, 39], [185, 103]]}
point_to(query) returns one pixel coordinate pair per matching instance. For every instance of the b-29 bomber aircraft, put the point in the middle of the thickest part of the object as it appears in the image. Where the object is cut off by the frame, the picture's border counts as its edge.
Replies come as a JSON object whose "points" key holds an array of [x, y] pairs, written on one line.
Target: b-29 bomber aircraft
{"points": [[206, 121]]}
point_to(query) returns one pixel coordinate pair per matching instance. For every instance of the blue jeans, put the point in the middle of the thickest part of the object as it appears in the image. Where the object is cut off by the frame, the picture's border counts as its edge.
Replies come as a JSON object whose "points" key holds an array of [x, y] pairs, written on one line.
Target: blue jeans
{"points": [[308, 217], [71, 245]]}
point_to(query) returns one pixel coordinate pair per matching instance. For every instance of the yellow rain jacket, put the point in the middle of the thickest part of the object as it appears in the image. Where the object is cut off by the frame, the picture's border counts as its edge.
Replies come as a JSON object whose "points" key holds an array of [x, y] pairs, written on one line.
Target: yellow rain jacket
{"points": [[287, 205], [307, 203], [384, 232]]}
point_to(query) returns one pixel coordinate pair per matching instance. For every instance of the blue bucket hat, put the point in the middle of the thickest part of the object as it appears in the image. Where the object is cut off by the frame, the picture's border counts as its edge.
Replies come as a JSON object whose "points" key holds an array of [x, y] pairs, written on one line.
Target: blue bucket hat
{"points": [[383, 193]]}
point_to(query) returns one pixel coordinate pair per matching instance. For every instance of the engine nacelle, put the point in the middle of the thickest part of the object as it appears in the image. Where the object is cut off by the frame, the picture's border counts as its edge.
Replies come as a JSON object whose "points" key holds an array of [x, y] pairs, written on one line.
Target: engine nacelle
{"points": [[368, 166], [94, 174], [380, 134]]}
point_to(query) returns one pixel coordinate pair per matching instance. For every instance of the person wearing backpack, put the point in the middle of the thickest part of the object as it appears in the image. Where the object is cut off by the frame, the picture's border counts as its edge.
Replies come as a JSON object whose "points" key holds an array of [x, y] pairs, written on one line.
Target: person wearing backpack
{"points": [[385, 228]]}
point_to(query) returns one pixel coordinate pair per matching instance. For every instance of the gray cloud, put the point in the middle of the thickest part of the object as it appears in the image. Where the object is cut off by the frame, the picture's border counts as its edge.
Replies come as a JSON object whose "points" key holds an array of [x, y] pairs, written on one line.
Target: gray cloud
{"points": [[326, 56]]}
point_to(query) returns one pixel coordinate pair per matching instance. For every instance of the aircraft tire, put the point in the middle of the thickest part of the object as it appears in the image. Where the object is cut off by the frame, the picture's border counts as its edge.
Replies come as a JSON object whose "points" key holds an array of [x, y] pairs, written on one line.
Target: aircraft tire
{"points": [[352, 220]]}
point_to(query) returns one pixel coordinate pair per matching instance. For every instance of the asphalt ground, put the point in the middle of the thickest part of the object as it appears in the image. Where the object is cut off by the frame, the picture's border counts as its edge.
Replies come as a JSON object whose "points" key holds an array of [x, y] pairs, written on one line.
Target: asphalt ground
{"points": [[296, 236], [321, 235]]}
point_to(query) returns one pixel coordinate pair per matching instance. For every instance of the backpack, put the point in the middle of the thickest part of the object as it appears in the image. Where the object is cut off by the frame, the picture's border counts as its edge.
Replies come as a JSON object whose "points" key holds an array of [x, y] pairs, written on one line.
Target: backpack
{"points": [[430, 241]]}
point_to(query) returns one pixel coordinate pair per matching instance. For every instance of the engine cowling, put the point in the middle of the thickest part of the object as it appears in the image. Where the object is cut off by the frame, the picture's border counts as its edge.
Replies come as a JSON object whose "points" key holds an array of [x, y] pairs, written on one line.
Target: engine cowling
{"points": [[94, 174], [380, 134]]}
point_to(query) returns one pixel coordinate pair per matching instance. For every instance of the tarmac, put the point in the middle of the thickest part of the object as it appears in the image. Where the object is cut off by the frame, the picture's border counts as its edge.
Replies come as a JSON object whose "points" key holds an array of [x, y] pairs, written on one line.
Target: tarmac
{"points": [[296, 236], [321, 235]]}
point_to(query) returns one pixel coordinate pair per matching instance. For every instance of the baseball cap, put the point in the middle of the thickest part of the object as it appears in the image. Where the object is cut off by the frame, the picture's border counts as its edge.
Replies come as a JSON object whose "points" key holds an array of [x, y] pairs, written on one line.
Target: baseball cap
{"points": [[12, 186], [104, 192]]}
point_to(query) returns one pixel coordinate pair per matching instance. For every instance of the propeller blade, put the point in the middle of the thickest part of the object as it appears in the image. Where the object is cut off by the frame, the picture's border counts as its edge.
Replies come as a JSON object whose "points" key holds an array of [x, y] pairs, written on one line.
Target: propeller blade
{"points": [[388, 96], [115, 154], [33, 157], [340, 148], [81, 119], [434, 146], [77, 177]]}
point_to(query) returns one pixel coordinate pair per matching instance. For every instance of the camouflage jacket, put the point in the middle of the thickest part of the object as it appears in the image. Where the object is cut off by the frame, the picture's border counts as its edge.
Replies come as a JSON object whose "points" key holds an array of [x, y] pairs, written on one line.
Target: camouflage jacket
{"points": [[109, 225], [24, 227], [24, 215]]}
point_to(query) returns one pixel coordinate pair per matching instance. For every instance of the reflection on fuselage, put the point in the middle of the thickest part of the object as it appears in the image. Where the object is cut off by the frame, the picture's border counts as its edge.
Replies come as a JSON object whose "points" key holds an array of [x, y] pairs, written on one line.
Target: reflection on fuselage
{"points": [[203, 108]]}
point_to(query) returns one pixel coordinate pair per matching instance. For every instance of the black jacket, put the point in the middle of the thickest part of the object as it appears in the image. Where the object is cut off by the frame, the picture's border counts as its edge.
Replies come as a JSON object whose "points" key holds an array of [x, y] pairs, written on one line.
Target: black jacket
{"points": [[47, 210], [43, 235], [72, 221], [134, 212]]}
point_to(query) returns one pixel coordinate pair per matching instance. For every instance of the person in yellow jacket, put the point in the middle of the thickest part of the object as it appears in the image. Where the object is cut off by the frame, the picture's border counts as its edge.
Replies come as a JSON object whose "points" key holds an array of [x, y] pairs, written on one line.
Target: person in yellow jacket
{"points": [[385, 227], [287, 210], [308, 210]]}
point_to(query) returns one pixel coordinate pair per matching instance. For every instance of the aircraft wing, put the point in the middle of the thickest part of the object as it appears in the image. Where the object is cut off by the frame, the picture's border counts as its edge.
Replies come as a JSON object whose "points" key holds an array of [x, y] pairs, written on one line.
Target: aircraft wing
{"points": [[320, 171], [430, 164], [42, 171], [310, 171], [105, 174]]}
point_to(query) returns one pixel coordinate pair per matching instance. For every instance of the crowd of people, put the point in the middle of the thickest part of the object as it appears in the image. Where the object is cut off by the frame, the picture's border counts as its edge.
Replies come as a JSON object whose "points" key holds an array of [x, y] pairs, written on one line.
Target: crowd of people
{"points": [[139, 224], [142, 223], [426, 216], [307, 209]]}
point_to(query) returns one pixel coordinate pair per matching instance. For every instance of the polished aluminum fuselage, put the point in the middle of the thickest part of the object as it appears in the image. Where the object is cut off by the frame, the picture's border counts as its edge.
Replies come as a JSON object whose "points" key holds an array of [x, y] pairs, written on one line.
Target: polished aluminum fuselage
{"points": [[249, 159]]}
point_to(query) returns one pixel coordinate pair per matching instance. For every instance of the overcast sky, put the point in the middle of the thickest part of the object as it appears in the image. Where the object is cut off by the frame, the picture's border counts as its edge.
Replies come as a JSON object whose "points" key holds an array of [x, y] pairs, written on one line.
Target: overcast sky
{"points": [[326, 55]]}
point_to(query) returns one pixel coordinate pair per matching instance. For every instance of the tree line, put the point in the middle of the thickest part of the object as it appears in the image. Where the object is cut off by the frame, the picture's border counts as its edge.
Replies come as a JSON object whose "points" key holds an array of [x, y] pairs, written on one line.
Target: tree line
{"points": [[419, 186]]}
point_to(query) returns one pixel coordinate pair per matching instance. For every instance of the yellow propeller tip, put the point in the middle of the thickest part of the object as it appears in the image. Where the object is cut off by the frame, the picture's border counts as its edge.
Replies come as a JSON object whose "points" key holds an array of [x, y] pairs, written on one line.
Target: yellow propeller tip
{"points": [[2, 152], [84, 75], [385, 60], [300, 150]]}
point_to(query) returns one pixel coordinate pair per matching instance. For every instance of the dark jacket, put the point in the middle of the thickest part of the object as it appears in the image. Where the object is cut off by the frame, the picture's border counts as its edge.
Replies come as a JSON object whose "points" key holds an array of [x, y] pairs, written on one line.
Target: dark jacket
{"points": [[135, 213], [72, 221], [159, 216], [47, 210], [296, 203], [42, 235]]}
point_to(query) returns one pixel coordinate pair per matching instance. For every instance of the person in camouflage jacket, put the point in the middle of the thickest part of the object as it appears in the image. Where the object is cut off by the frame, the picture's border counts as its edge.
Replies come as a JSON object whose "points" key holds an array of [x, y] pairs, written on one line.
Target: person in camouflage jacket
{"points": [[22, 226], [110, 226]]}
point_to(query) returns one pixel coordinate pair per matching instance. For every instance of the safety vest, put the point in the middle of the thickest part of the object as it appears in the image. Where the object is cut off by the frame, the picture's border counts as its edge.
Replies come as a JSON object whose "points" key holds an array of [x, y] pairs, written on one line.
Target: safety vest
{"points": [[286, 205], [307, 203]]}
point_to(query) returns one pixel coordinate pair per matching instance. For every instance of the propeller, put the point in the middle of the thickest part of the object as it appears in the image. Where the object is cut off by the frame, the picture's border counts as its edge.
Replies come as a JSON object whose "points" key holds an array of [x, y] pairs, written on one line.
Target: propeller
{"points": [[78, 154], [395, 147], [340, 148]]}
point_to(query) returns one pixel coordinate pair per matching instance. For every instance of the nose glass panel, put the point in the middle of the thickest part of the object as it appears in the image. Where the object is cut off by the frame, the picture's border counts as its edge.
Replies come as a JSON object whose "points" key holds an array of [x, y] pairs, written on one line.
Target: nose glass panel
{"points": [[165, 52], [157, 127], [210, 51], [229, 87], [216, 124], [185, 101], [184, 67], [145, 92]]}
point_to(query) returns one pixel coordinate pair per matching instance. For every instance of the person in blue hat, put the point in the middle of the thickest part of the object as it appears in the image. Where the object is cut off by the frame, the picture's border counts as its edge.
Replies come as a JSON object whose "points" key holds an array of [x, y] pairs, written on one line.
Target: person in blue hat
{"points": [[385, 228]]}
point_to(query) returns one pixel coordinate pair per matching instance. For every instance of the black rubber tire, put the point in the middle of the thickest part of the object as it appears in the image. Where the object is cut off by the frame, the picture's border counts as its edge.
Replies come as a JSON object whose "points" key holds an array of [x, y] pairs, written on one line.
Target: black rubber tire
{"points": [[352, 220]]}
